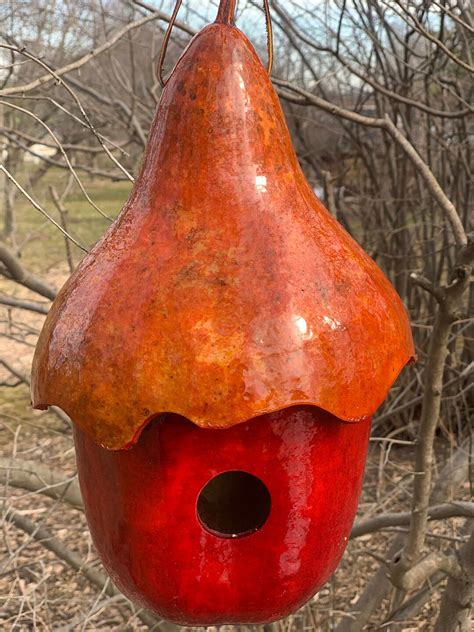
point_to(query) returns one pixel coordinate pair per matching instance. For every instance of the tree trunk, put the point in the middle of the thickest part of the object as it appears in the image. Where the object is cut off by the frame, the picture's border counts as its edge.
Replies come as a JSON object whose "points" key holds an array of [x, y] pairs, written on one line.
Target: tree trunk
{"points": [[458, 598]]}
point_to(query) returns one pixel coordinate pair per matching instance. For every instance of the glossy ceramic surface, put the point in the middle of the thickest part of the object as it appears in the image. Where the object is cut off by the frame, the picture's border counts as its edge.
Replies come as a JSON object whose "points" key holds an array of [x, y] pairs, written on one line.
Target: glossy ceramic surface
{"points": [[225, 290], [141, 508]]}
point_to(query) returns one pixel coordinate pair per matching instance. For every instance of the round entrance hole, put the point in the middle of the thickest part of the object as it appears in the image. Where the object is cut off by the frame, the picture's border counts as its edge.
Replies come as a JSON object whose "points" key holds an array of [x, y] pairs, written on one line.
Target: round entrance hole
{"points": [[233, 504]]}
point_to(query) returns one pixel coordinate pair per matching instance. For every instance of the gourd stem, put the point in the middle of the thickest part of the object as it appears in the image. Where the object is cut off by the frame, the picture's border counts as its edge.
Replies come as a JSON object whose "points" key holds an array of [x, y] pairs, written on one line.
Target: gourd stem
{"points": [[226, 11]]}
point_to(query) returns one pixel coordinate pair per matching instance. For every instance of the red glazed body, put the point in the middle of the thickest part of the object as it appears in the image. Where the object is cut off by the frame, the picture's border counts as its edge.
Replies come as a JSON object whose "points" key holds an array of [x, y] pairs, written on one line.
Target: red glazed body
{"points": [[141, 507]]}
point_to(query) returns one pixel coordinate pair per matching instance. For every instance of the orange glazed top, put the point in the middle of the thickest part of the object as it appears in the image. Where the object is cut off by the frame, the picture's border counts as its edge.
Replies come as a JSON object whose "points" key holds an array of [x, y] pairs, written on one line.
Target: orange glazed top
{"points": [[224, 290]]}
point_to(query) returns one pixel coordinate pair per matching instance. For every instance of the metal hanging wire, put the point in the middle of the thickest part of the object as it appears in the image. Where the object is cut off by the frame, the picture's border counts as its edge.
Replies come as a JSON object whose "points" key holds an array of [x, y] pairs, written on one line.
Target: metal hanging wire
{"points": [[225, 15]]}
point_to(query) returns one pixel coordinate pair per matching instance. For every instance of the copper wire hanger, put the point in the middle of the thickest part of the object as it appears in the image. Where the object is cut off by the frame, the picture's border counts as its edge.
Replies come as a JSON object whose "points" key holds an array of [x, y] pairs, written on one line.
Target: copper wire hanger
{"points": [[225, 15]]}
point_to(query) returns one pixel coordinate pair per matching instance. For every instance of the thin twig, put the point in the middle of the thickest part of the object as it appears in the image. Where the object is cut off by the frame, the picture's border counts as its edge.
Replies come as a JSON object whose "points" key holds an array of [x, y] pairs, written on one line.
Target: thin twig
{"points": [[400, 519]]}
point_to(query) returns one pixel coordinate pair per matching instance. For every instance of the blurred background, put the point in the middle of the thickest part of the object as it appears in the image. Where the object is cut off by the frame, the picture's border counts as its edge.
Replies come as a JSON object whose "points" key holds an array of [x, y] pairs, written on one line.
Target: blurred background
{"points": [[378, 98]]}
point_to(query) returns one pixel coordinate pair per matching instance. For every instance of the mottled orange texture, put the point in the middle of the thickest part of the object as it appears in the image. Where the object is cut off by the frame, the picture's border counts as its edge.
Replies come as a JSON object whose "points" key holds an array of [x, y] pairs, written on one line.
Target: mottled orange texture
{"points": [[224, 290]]}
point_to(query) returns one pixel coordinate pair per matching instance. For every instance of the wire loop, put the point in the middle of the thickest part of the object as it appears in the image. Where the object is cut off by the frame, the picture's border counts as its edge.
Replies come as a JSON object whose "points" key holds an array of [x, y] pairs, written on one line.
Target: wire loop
{"points": [[165, 42], [226, 9], [268, 20]]}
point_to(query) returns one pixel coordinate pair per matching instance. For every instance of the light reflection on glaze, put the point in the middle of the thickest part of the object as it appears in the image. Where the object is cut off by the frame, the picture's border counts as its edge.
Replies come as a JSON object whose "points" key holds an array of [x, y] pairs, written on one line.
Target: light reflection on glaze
{"points": [[305, 331], [261, 183], [332, 322], [189, 302], [295, 454]]}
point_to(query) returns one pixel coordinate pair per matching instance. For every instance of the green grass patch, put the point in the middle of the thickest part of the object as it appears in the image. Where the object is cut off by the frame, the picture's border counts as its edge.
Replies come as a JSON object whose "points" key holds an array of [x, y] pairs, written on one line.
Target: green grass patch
{"points": [[42, 245]]}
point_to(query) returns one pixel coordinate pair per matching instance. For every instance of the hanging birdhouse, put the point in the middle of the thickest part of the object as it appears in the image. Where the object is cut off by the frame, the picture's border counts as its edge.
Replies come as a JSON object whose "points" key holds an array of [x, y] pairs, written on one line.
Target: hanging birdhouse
{"points": [[221, 351]]}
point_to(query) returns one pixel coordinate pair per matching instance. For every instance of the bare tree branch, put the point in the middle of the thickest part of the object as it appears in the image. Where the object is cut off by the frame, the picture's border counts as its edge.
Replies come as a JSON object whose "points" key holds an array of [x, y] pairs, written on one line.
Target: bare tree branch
{"points": [[457, 602], [34, 477], [306, 98], [41, 81], [31, 306], [452, 476], [56, 546], [434, 562], [400, 519], [12, 269]]}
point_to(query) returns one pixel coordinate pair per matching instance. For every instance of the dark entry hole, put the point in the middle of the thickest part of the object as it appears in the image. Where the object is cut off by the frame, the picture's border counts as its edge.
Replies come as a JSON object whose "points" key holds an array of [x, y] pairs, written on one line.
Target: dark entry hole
{"points": [[234, 504]]}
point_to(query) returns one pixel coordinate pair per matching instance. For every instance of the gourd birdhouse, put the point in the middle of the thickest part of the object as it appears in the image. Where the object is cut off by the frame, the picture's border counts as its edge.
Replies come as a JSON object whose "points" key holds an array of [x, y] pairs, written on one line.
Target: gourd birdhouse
{"points": [[220, 352]]}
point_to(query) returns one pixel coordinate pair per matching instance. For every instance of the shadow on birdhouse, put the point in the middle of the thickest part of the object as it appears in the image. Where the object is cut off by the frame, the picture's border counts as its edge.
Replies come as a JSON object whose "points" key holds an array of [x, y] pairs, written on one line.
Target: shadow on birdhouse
{"points": [[221, 351]]}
